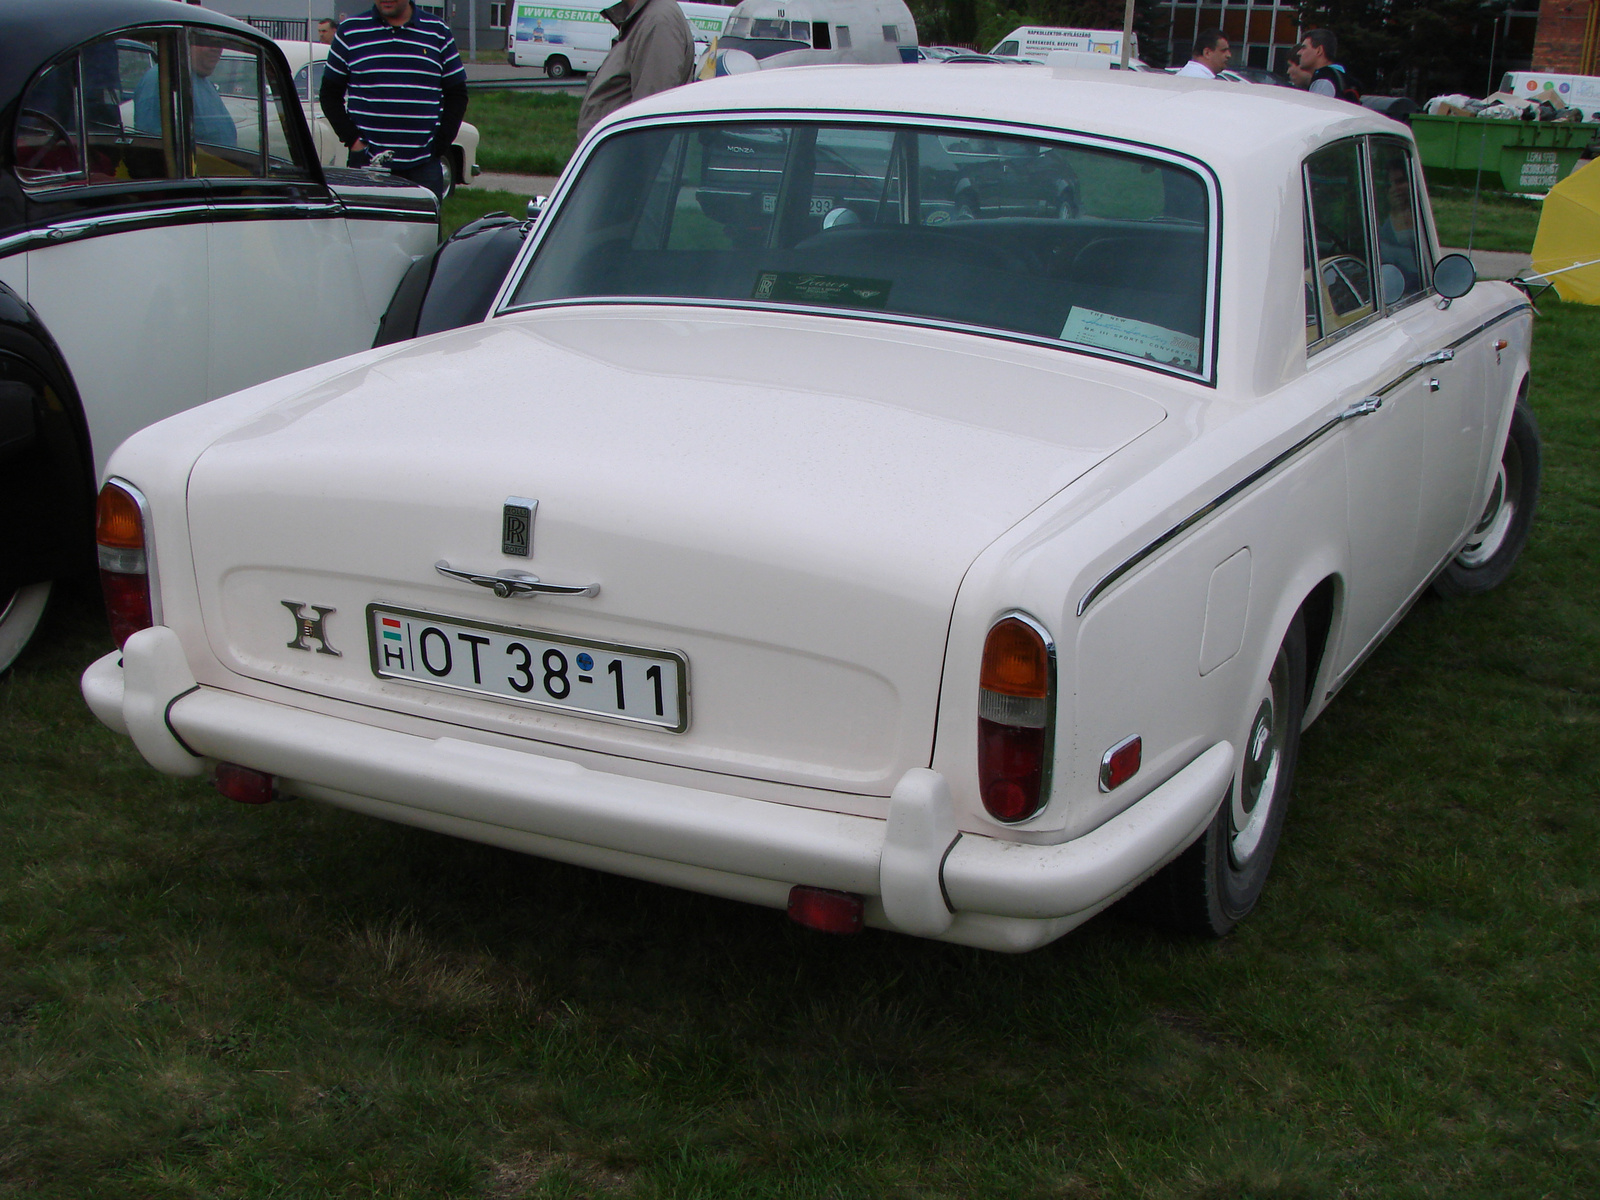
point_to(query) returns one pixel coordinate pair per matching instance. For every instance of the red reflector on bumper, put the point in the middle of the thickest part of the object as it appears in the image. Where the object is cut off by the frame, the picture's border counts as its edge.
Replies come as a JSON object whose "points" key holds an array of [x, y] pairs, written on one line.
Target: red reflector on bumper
{"points": [[825, 910], [243, 784]]}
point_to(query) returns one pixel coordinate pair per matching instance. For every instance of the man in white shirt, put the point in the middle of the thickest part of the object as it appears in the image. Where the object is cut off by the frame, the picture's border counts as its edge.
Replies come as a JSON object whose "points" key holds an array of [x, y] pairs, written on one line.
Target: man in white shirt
{"points": [[1211, 54]]}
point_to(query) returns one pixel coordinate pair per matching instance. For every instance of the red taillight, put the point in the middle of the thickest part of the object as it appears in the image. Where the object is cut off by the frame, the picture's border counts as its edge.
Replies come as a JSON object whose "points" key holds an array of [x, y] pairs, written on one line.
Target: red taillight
{"points": [[826, 910], [243, 784], [119, 536], [1015, 699]]}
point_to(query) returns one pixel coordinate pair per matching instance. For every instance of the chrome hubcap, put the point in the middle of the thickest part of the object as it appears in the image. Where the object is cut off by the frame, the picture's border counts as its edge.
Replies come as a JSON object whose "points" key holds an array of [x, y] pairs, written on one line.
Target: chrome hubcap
{"points": [[1251, 803], [1490, 534]]}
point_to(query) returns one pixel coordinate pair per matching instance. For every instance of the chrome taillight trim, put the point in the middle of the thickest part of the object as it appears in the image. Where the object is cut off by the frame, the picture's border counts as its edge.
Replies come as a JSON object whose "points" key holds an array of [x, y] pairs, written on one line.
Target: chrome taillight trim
{"points": [[152, 577], [1047, 769]]}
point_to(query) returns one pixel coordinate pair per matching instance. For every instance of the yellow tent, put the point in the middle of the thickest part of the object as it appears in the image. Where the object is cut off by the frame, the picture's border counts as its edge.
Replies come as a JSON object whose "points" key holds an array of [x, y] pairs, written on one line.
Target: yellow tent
{"points": [[1567, 246]]}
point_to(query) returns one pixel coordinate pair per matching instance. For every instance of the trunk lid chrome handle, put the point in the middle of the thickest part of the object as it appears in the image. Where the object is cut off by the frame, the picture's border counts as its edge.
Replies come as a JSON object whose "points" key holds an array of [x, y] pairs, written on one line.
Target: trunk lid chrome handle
{"points": [[511, 584]]}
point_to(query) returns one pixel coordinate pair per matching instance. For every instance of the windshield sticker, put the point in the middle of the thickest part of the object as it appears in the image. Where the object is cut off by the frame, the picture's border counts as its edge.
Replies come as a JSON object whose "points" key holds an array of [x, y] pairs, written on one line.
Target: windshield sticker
{"points": [[801, 287], [1136, 338]]}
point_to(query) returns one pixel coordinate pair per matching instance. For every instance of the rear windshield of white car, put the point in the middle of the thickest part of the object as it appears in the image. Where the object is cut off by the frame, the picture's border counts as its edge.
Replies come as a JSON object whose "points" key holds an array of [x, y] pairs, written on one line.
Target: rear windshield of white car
{"points": [[1101, 249]]}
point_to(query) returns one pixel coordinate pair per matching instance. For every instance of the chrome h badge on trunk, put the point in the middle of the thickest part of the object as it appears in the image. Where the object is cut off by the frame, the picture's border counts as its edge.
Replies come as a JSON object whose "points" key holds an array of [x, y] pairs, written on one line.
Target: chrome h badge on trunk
{"points": [[516, 526]]}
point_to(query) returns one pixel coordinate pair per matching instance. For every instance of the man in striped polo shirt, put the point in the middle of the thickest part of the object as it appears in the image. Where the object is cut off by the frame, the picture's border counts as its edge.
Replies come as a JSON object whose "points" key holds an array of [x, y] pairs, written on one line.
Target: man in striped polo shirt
{"points": [[394, 84]]}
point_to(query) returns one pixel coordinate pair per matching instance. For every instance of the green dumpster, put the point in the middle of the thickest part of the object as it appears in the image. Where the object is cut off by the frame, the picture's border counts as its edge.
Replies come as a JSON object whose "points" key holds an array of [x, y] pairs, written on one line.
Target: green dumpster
{"points": [[1517, 156]]}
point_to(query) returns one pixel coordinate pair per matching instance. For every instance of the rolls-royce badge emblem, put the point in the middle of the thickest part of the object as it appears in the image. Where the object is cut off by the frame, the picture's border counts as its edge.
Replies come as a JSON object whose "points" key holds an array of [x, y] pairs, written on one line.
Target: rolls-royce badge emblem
{"points": [[516, 527], [310, 627]]}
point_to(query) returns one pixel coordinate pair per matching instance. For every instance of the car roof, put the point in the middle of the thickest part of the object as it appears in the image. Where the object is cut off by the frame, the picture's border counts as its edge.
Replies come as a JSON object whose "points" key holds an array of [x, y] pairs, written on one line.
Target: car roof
{"points": [[1211, 121], [32, 32]]}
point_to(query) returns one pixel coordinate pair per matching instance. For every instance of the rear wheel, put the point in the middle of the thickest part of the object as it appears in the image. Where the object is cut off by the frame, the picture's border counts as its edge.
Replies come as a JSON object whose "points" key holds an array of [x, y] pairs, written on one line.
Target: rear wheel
{"points": [[451, 173], [1495, 543], [19, 617], [556, 67], [1215, 883]]}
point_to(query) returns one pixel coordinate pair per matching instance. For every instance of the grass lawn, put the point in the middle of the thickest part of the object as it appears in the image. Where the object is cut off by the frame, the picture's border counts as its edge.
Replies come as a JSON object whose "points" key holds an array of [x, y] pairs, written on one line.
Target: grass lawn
{"points": [[1501, 222], [203, 1000], [526, 133]]}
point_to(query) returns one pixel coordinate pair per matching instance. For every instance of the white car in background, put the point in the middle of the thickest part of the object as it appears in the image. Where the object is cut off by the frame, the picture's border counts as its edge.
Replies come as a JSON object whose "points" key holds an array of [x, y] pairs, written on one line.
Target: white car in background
{"points": [[790, 532], [461, 164]]}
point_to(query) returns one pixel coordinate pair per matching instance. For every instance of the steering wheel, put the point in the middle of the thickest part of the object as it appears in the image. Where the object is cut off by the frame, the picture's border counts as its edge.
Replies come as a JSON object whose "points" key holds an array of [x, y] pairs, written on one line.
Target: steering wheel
{"points": [[58, 136]]}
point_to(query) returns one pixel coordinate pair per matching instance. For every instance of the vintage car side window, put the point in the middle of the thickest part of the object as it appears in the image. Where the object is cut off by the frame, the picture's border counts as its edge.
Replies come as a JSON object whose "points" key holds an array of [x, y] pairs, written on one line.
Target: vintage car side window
{"points": [[129, 88], [1395, 202], [1101, 248], [1342, 275], [101, 116], [227, 112], [48, 149]]}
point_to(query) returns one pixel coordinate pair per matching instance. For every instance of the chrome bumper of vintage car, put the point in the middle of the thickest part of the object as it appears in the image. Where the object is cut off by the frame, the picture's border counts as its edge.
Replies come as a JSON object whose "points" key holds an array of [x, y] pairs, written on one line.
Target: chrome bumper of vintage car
{"points": [[919, 874]]}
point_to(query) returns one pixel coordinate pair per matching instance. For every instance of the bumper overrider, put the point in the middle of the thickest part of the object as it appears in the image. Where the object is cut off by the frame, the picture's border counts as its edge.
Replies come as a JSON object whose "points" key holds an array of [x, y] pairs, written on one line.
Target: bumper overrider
{"points": [[918, 874]]}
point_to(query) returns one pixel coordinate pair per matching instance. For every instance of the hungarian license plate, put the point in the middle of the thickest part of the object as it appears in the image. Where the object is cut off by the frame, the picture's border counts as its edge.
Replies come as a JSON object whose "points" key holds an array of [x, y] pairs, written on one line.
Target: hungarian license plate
{"points": [[550, 670]]}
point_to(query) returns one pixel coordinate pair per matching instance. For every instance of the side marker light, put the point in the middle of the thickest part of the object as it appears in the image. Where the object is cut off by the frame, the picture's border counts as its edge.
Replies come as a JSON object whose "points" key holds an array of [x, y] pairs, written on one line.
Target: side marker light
{"points": [[1121, 763]]}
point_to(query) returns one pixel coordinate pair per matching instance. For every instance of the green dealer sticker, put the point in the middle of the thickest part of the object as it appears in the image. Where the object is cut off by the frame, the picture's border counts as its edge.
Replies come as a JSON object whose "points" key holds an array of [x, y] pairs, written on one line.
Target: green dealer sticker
{"points": [[800, 287]]}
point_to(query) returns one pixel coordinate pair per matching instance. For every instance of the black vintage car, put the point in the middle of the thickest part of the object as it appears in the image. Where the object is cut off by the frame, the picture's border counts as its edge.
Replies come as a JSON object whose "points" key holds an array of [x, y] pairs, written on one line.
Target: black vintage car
{"points": [[162, 241]]}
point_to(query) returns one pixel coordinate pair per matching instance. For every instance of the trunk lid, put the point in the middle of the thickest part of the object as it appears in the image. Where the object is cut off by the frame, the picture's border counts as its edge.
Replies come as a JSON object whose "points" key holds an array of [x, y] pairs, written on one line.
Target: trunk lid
{"points": [[789, 502]]}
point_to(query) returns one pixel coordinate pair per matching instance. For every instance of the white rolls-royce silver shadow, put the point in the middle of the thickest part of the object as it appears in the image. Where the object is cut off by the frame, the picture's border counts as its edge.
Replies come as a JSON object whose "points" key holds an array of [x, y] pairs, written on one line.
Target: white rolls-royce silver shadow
{"points": [[926, 501]]}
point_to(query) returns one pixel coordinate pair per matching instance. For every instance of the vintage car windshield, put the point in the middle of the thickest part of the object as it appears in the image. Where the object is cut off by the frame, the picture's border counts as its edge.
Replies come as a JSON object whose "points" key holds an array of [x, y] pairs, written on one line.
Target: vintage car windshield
{"points": [[1071, 243]]}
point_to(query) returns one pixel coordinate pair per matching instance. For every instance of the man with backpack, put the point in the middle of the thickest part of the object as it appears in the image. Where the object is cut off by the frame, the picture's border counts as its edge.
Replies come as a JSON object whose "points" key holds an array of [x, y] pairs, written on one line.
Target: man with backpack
{"points": [[1318, 49]]}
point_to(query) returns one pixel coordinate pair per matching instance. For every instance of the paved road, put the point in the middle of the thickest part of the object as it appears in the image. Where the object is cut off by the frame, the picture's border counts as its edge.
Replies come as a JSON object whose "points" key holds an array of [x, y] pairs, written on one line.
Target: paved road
{"points": [[487, 76], [522, 185]]}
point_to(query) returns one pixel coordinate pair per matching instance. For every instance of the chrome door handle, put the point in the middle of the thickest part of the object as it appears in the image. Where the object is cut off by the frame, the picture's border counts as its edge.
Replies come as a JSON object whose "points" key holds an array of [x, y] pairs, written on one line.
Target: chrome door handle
{"points": [[1433, 385], [517, 583], [1438, 356], [1361, 408]]}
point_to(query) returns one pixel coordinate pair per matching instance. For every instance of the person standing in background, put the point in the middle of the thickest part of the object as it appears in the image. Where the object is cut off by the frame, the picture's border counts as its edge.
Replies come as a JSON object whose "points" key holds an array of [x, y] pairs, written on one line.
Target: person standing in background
{"points": [[326, 28], [1318, 49], [406, 88], [653, 51], [1210, 55]]}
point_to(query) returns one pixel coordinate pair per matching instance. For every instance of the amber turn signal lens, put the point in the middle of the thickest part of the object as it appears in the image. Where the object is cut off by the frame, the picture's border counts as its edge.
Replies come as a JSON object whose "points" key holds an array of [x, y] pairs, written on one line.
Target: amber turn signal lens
{"points": [[117, 522], [1015, 661]]}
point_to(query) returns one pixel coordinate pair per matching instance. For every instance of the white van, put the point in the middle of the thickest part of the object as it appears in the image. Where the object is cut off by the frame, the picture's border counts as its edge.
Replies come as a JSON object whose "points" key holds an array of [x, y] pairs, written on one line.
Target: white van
{"points": [[1035, 41], [762, 34], [577, 37], [1576, 91]]}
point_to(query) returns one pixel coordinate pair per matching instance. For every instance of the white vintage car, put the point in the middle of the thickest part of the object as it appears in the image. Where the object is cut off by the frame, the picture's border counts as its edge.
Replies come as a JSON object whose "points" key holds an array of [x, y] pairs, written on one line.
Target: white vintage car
{"points": [[790, 532]]}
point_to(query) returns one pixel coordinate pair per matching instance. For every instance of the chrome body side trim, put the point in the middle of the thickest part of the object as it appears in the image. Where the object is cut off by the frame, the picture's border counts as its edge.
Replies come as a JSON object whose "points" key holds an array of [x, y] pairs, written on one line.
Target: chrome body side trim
{"points": [[1361, 408], [208, 212]]}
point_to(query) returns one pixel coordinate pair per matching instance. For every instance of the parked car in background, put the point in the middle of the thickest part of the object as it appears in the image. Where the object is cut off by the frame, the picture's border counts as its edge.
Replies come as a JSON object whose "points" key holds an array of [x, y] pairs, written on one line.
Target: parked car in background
{"points": [[766, 34], [575, 38], [1036, 42], [460, 165], [949, 576], [1236, 74], [163, 240]]}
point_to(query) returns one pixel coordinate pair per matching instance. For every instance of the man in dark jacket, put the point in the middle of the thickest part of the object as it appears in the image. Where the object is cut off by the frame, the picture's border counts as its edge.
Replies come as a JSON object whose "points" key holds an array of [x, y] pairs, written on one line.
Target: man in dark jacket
{"points": [[1318, 49], [394, 85], [653, 51]]}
